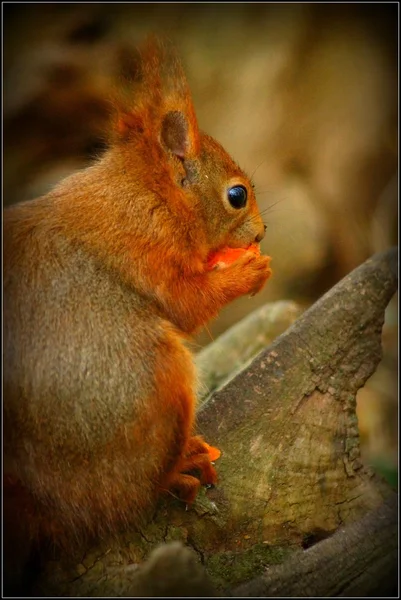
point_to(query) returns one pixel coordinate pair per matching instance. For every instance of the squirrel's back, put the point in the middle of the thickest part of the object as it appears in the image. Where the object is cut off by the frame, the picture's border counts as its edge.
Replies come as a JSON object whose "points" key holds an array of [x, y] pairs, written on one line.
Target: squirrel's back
{"points": [[78, 414]]}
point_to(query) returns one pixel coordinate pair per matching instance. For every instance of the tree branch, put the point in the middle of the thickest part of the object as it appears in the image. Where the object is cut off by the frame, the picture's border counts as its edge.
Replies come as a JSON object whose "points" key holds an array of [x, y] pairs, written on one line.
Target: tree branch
{"points": [[220, 361]]}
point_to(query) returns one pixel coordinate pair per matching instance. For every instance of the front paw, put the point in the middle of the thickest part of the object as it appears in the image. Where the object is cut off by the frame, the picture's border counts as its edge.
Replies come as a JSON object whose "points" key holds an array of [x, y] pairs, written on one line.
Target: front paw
{"points": [[248, 274], [259, 273]]}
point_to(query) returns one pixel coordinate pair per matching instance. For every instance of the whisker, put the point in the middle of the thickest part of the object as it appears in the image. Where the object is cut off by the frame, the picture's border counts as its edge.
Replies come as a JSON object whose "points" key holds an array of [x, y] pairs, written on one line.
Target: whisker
{"points": [[259, 165], [260, 192], [209, 332], [275, 204], [263, 212], [291, 210]]}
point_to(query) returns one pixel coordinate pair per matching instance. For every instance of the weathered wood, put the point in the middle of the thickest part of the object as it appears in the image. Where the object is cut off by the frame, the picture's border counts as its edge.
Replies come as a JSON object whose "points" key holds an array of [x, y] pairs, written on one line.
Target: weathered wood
{"points": [[223, 359], [346, 564], [358, 560], [290, 469]]}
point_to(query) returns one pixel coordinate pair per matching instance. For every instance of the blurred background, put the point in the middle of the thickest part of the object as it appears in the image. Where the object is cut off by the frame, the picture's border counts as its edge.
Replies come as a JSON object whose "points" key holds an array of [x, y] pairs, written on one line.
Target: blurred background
{"points": [[303, 96]]}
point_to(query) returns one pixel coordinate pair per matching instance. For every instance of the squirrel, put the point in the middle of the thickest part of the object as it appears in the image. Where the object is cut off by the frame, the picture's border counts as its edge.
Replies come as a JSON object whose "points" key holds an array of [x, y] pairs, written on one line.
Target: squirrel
{"points": [[105, 279]]}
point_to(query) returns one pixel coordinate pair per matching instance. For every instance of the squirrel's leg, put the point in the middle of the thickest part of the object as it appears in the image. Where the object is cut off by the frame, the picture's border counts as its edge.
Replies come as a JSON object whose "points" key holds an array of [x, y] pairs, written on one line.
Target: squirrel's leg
{"points": [[202, 464], [185, 487], [192, 470], [195, 469], [196, 445]]}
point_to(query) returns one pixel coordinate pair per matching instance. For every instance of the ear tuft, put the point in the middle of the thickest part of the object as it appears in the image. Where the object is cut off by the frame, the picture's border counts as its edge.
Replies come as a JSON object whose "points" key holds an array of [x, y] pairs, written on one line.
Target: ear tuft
{"points": [[127, 124], [174, 133]]}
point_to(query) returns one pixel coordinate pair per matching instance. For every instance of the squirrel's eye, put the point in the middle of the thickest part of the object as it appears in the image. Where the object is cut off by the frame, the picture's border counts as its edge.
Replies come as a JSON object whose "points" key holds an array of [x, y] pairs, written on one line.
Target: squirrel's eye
{"points": [[237, 196]]}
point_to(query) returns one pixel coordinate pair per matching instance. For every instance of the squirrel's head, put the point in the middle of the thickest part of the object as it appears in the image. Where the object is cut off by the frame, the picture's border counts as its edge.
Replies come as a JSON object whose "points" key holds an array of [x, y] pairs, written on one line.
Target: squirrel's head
{"points": [[186, 167], [224, 194]]}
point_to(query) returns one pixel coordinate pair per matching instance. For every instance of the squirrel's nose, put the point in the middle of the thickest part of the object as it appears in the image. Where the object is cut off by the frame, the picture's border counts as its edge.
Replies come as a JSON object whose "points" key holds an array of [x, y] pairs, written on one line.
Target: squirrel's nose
{"points": [[261, 234]]}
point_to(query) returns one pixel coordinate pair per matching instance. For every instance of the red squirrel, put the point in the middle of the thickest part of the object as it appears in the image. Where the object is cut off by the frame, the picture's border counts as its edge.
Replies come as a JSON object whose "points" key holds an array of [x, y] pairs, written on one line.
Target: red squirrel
{"points": [[105, 278]]}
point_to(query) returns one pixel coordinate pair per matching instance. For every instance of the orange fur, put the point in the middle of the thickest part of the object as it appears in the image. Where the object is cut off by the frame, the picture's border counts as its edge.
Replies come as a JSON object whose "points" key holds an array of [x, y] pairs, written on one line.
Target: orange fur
{"points": [[104, 279]]}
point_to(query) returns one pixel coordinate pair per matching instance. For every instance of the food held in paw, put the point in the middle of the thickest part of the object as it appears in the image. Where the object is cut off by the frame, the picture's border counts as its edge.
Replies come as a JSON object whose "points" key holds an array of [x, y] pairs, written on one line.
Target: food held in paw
{"points": [[226, 256]]}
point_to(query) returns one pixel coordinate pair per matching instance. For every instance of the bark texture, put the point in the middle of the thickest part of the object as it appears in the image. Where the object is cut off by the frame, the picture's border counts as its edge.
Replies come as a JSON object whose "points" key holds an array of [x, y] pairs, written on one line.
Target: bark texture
{"points": [[358, 560], [232, 351], [292, 489]]}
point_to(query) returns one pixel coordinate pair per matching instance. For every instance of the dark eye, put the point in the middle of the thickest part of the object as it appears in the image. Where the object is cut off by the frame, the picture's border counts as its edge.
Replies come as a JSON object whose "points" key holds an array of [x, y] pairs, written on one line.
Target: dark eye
{"points": [[237, 196]]}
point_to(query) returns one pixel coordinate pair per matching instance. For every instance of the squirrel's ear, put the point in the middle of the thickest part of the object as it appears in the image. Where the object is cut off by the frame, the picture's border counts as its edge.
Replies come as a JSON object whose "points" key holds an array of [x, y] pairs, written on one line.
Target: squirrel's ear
{"points": [[175, 134], [157, 100]]}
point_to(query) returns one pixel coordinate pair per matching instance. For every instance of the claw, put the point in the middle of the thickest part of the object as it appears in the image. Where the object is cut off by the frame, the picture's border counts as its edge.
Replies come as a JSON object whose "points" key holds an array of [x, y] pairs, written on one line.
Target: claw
{"points": [[214, 453]]}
